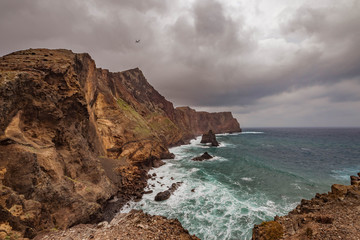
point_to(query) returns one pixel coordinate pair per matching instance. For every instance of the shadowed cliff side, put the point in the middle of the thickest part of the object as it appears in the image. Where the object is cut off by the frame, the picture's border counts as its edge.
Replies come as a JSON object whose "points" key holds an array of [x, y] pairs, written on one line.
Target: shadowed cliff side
{"points": [[73, 137]]}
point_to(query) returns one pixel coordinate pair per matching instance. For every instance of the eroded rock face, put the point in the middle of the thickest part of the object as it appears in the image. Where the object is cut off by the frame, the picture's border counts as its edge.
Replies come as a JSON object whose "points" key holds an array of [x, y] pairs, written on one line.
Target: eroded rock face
{"points": [[196, 123], [73, 136], [209, 137], [126, 226], [333, 215]]}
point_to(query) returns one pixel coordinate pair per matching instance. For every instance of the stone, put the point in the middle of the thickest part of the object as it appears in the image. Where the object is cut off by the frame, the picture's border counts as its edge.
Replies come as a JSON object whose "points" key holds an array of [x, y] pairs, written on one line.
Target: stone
{"points": [[209, 137], [161, 196], [354, 180], [205, 156]]}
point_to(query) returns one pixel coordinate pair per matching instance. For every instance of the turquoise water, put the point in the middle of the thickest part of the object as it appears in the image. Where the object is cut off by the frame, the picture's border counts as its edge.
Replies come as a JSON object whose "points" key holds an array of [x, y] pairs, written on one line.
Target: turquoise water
{"points": [[254, 176]]}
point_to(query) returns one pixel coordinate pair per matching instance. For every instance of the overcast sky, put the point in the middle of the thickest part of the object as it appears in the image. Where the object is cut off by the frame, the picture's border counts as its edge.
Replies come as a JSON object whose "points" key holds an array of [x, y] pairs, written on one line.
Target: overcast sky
{"points": [[273, 63]]}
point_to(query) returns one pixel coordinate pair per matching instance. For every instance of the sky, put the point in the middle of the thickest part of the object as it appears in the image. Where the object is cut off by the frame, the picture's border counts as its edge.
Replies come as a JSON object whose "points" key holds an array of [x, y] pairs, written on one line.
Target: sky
{"points": [[272, 63]]}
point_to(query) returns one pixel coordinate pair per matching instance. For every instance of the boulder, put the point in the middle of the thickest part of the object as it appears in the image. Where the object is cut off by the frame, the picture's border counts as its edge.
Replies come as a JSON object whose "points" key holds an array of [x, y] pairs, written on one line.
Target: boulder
{"points": [[355, 180], [209, 138], [203, 157], [161, 196]]}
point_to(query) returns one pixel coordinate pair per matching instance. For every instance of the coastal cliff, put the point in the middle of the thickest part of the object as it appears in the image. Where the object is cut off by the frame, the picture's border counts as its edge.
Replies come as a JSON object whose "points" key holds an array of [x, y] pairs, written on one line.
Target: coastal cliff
{"points": [[196, 123], [333, 215], [76, 141]]}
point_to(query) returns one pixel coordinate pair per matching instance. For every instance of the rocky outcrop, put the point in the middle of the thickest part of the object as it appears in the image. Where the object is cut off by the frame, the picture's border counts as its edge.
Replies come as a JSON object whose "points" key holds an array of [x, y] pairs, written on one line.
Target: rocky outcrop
{"points": [[126, 226], [203, 157], [195, 123], [161, 196], [75, 140], [209, 137], [334, 215]]}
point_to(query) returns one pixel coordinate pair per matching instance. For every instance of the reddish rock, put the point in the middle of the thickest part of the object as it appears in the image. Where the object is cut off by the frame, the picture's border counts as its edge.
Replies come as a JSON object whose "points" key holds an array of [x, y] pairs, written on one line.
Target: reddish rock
{"points": [[195, 123]]}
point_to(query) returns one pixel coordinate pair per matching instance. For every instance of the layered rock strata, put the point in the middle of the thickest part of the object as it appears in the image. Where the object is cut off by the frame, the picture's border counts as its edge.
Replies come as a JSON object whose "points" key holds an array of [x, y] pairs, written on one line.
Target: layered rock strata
{"points": [[195, 123], [334, 215], [76, 141]]}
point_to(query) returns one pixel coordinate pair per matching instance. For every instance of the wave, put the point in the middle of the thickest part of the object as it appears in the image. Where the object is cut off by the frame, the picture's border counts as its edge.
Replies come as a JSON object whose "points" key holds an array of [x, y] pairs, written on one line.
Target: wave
{"points": [[252, 132], [204, 204]]}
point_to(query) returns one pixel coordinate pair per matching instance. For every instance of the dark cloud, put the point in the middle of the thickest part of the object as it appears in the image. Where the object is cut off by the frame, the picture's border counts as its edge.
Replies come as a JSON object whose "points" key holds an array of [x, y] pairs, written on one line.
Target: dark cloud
{"points": [[205, 53]]}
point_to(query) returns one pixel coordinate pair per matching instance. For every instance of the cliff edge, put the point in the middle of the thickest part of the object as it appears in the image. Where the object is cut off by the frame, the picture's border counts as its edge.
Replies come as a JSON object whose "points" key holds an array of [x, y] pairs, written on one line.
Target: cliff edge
{"points": [[74, 138]]}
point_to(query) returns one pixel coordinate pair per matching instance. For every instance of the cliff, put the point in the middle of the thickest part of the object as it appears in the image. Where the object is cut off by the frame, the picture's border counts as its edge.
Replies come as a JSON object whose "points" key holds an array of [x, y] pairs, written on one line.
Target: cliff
{"points": [[334, 215], [196, 123], [73, 137]]}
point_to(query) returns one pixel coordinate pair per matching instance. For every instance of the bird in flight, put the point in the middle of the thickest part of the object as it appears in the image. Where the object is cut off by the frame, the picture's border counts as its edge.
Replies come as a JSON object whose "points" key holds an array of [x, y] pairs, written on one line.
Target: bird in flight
{"points": [[137, 41]]}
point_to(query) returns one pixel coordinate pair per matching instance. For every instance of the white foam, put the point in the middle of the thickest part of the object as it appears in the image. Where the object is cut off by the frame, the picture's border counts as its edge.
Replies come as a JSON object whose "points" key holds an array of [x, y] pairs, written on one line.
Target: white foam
{"points": [[212, 210], [252, 132], [247, 179]]}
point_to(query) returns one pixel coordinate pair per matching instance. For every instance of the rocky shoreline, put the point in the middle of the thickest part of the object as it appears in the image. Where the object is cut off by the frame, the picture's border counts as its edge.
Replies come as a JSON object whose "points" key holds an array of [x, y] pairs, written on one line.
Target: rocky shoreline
{"points": [[76, 144], [76, 141], [333, 215]]}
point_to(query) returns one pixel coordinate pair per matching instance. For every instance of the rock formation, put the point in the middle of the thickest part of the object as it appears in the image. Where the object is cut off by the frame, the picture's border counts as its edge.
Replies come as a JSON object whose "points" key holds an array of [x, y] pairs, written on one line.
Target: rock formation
{"points": [[161, 196], [125, 226], [334, 215], [209, 137], [76, 141], [203, 157], [196, 123]]}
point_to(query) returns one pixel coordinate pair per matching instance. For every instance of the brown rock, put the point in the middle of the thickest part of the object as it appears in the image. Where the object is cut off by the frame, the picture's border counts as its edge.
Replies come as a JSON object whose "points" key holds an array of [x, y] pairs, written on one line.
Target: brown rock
{"points": [[126, 226], [203, 157], [196, 123], [73, 136], [327, 216], [161, 196], [209, 138]]}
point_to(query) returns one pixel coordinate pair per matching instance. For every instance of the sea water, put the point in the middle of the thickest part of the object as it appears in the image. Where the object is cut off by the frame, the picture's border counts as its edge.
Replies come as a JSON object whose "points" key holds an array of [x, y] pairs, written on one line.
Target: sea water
{"points": [[254, 176]]}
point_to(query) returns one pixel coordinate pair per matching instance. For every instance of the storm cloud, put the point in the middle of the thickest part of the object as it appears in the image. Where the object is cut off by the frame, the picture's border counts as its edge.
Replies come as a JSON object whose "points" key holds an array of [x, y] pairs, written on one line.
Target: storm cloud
{"points": [[272, 63]]}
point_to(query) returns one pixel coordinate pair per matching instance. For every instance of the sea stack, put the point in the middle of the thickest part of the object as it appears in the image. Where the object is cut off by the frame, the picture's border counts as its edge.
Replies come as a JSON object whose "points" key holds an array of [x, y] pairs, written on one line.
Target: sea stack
{"points": [[209, 138], [203, 157]]}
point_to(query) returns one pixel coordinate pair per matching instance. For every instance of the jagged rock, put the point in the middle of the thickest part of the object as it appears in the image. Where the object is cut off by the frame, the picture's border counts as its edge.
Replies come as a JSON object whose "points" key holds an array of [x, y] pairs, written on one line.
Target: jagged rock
{"points": [[161, 196], [203, 157], [126, 226], [209, 138], [327, 216], [167, 156], [354, 180]]}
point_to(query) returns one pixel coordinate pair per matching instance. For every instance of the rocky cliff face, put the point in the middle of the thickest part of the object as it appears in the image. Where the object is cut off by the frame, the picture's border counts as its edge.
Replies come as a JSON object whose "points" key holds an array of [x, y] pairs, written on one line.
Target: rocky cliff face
{"points": [[196, 123], [73, 136], [334, 215]]}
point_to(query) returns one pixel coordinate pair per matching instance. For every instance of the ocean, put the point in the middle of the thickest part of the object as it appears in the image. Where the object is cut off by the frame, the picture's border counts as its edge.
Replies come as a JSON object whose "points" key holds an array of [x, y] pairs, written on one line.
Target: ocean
{"points": [[254, 176]]}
